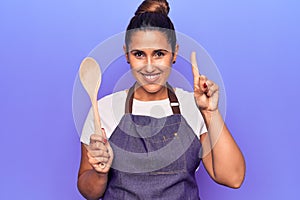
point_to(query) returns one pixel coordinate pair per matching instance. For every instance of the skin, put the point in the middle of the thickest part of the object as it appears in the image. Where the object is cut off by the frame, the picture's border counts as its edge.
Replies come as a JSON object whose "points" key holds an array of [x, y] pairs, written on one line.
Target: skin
{"points": [[92, 179], [151, 57], [224, 162]]}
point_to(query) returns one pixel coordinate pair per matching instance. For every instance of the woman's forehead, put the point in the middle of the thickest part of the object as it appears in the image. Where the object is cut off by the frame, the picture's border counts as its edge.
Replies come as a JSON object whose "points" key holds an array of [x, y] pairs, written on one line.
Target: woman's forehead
{"points": [[149, 39]]}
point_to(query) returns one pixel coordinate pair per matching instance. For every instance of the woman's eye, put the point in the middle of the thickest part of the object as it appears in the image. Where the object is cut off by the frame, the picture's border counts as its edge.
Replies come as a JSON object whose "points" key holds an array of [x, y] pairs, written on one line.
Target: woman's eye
{"points": [[138, 54], [159, 54]]}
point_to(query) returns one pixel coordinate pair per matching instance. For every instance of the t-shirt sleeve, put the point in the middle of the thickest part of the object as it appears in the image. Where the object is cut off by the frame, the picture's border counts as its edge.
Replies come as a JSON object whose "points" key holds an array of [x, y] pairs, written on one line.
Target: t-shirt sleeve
{"points": [[111, 109], [88, 128]]}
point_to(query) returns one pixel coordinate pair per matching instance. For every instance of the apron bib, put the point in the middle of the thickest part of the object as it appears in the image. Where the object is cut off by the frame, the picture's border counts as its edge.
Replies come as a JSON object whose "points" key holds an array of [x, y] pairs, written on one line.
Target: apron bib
{"points": [[154, 158]]}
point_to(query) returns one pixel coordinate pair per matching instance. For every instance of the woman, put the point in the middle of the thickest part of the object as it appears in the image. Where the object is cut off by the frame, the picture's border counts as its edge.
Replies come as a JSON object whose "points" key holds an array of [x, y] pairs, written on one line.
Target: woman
{"points": [[141, 172]]}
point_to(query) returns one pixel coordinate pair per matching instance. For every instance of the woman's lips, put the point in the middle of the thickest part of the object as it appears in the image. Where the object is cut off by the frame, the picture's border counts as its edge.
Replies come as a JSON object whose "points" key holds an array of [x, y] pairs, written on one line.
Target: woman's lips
{"points": [[151, 78]]}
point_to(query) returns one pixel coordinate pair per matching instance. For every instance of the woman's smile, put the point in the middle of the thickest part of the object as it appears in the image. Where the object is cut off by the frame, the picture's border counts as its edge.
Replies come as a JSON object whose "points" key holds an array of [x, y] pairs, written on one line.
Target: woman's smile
{"points": [[150, 56], [151, 78]]}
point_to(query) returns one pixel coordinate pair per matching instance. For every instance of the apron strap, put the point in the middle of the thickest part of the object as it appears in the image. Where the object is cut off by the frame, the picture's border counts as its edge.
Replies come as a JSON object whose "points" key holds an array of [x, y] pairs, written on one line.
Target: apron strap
{"points": [[171, 94], [174, 103]]}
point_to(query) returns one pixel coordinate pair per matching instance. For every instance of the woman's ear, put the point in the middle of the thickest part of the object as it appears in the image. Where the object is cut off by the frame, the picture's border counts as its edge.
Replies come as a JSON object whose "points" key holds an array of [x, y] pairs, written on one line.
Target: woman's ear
{"points": [[175, 53], [126, 53]]}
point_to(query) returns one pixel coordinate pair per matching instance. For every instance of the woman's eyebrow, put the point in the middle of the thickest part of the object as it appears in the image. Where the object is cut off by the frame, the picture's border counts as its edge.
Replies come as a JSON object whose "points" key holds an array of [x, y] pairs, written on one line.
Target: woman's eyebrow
{"points": [[154, 51], [157, 50], [148, 48], [136, 50]]}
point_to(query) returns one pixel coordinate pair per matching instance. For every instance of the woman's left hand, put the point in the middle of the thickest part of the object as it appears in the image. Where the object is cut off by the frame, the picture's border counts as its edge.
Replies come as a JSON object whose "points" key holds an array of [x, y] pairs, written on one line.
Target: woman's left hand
{"points": [[206, 92]]}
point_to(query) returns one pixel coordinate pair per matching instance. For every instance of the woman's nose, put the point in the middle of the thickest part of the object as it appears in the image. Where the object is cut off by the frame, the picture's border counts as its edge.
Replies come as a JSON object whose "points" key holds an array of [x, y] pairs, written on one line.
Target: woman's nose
{"points": [[149, 65]]}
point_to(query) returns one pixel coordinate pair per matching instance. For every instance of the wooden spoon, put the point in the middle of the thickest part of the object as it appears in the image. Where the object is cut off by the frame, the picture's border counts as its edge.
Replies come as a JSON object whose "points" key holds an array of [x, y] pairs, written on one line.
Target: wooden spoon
{"points": [[90, 77]]}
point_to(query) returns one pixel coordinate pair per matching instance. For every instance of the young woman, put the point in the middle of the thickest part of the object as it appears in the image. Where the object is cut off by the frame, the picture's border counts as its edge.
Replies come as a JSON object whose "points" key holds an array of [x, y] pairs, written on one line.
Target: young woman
{"points": [[144, 154]]}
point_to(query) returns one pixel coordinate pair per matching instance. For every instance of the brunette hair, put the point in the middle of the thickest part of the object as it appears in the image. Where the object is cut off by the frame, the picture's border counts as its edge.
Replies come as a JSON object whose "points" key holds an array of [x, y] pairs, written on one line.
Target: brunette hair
{"points": [[152, 15]]}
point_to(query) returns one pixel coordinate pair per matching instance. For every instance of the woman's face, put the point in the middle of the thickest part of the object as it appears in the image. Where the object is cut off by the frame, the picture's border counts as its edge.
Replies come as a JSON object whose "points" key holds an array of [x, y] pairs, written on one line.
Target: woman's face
{"points": [[150, 57]]}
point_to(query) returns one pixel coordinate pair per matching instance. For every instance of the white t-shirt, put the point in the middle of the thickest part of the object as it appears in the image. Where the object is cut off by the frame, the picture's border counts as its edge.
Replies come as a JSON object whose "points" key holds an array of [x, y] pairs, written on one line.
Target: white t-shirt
{"points": [[112, 109]]}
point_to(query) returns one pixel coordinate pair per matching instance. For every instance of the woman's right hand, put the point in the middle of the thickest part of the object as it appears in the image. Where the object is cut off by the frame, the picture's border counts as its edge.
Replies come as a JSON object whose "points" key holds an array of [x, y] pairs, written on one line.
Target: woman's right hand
{"points": [[99, 152]]}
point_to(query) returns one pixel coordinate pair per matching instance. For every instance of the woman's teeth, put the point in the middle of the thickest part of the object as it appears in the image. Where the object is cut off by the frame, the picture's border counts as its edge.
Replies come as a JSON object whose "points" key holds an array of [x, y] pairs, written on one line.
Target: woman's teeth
{"points": [[151, 77]]}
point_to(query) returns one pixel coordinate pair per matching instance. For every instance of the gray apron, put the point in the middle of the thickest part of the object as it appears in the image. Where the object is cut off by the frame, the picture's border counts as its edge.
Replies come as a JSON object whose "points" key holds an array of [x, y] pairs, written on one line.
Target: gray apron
{"points": [[154, 158]]}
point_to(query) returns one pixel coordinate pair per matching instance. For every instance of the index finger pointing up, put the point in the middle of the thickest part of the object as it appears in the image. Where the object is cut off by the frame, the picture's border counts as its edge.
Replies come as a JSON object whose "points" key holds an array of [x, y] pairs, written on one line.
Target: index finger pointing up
{"points": [[195, 68]]}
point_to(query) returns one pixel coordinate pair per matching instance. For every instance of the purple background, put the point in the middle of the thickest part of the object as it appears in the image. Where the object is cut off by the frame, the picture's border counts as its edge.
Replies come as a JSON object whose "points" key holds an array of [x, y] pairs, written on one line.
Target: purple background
{"points": [[255, 45]]}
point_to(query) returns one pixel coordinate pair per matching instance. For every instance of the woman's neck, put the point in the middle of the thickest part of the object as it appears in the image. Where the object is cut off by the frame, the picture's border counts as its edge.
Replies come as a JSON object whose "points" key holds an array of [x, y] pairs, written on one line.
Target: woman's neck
{"points": [[141, 94]]}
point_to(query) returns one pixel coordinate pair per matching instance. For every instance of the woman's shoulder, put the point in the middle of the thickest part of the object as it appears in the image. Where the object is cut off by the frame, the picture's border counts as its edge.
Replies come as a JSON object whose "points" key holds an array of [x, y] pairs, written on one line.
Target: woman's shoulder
{"points": [[186, 100], [113, 98], [183, 94], [113, 105]]}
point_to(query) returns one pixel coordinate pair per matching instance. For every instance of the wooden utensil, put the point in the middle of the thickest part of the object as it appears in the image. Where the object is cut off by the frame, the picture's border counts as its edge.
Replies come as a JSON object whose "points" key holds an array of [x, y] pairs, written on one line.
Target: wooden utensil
{"points": [[90, 77]]}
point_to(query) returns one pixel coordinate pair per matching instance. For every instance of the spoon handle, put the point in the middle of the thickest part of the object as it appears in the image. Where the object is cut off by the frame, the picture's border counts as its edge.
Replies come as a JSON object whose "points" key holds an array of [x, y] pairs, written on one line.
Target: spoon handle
{"points": [[97, 121]]}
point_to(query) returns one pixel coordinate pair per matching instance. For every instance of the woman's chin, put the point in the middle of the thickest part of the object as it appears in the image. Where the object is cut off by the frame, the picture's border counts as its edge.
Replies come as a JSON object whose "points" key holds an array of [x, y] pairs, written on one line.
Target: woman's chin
{"points": [[152, 88]]}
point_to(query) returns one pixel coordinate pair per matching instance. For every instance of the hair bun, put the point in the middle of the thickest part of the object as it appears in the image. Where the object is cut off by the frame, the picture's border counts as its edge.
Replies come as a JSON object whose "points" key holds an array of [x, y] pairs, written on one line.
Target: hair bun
{"points": [[158, 6]]}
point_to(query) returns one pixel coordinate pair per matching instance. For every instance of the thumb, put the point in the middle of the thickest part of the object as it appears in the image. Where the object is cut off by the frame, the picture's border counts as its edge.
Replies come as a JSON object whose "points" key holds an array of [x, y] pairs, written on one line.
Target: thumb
{"points": [[104, 134]]}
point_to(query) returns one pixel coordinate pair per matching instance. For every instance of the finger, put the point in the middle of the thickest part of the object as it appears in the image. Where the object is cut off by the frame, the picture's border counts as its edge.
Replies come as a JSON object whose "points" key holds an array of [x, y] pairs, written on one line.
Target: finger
{"points": [[104, 135], [98, 160], [210, 92], [97, 138], [97, 146], [195, 69], [212, 89], [99, 153], [100, 169], [109, 150], [203, 83], [210, 83]]}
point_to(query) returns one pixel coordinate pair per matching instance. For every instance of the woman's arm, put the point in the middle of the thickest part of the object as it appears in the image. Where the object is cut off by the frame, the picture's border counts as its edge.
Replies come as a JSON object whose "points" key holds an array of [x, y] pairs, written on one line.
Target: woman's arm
{"points": [[91, 184], [222, 157], [92, 178]]}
